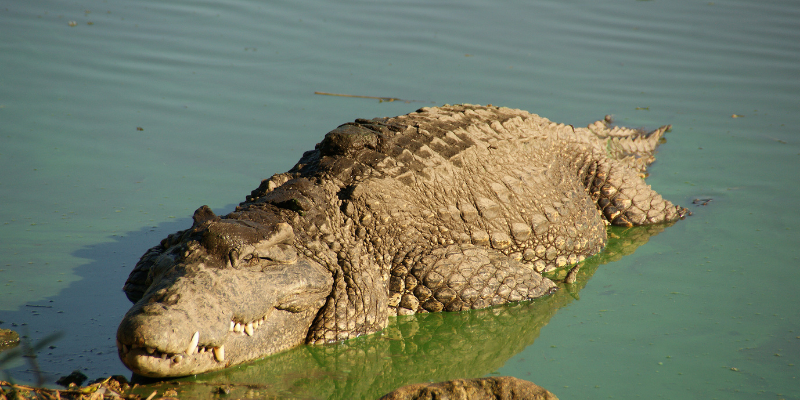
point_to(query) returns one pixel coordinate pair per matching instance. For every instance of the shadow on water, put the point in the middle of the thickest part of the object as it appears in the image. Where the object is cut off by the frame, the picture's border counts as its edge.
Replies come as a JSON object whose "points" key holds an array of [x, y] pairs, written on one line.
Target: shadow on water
{"points": [[413, 349], [86, 313]]}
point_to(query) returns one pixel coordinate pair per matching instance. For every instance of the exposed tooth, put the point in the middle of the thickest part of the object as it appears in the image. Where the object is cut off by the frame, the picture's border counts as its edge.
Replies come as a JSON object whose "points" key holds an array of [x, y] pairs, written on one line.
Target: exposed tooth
{"points": [[178, 358], [248, 329], [238, 328], [202, 350], [150, 350], [232, 326], [163, 356], [219, 353], [193, 345]]}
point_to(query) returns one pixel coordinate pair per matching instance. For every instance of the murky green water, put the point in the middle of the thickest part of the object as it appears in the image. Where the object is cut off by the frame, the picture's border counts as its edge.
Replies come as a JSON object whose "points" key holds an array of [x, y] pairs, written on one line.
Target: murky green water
{"points": [[224, 95]]}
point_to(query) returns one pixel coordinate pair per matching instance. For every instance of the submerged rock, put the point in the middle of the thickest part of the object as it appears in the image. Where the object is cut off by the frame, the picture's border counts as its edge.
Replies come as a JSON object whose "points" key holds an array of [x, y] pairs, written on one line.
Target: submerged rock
{"points": [[497, 388], [8, 339]]}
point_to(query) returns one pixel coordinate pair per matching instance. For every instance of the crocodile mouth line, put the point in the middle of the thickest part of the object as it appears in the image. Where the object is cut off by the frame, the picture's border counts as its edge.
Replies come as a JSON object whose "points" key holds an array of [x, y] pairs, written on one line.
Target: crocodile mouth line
{"points": [[176, 358], [194, 349]]}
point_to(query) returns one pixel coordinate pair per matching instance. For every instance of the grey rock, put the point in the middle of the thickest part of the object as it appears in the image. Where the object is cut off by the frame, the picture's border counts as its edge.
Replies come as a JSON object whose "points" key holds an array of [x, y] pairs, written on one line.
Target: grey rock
{"points": [[496, 388]]}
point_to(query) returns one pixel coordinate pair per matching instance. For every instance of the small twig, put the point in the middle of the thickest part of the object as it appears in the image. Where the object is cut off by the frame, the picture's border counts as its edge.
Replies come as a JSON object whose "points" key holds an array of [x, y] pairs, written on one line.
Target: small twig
{"points": [[778, 140], [381, 99]]}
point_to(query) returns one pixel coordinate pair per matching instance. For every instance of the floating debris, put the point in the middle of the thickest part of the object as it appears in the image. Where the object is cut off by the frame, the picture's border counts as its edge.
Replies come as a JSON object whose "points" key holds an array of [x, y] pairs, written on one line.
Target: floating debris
{"points": [[701, 202], [381, 99]]}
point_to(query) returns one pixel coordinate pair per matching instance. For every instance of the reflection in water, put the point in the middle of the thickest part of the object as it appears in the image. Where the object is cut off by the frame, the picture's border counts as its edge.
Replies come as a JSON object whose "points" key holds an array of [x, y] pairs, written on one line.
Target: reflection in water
{"points": [[412, 349]]}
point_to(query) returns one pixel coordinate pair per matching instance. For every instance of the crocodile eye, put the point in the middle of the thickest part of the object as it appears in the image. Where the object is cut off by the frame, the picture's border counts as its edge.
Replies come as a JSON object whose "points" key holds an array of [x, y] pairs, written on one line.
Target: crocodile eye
{"points": [[249, 260], [279, 254], [240, 262]]}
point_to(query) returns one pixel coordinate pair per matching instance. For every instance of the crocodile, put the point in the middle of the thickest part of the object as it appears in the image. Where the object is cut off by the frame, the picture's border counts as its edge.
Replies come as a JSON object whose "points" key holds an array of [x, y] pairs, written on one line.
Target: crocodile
{"points": [[444, 209]]}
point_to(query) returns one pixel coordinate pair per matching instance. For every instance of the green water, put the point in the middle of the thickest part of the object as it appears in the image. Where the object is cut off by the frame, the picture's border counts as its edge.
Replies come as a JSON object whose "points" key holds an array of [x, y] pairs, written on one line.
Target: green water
{"points": [[224, 95]]}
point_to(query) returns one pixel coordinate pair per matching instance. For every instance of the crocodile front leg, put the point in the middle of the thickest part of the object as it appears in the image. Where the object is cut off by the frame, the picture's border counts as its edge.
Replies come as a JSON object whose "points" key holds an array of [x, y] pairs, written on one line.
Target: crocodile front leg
{"points": [[357, 304], [463, 277]]}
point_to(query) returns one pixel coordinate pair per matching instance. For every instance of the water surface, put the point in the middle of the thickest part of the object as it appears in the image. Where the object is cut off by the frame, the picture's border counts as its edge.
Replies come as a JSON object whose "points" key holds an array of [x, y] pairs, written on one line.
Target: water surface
{"points": [[112, 132]]}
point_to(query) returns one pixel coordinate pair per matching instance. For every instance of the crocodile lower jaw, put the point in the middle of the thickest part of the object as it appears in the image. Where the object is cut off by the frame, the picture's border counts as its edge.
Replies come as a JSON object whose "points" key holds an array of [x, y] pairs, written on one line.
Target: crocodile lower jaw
{"points": [[197, 358], [153, 363]]}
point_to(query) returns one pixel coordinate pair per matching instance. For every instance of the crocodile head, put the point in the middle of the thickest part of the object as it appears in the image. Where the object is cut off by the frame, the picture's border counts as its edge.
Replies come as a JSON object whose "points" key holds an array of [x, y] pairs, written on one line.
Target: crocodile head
{"points": [[224, 292]]}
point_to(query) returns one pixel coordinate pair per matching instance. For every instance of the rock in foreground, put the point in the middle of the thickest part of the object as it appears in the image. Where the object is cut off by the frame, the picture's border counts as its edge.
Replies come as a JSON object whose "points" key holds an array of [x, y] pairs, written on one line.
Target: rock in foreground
{"points": [[498, 388]]}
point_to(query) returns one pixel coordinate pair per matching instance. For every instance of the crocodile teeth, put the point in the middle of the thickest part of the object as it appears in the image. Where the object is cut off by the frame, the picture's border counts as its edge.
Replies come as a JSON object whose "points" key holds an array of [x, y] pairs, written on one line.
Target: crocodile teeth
{"points": [[248, 329], [178, 358], [150, 350], [219, 353], [193, 345], [233, 324], [238, 328]]}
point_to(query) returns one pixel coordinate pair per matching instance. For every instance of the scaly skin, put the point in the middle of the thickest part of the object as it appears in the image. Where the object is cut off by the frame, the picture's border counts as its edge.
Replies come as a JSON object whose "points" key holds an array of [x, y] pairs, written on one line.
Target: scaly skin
{"points": [[447, 208]]}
